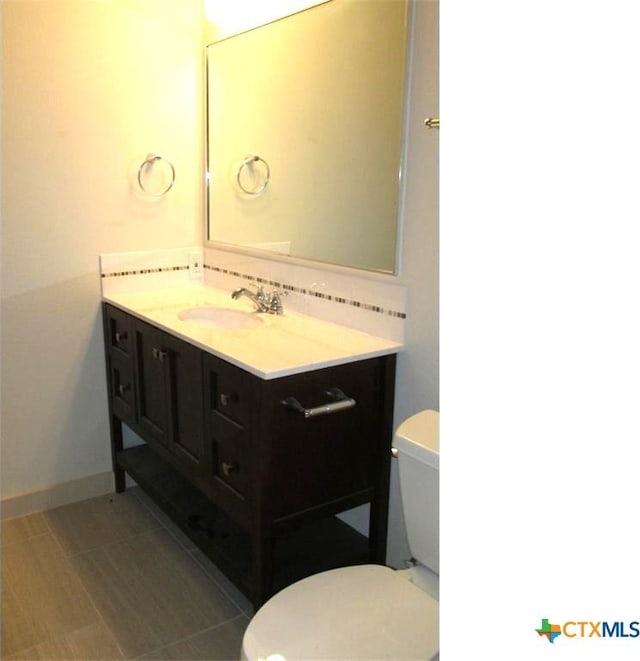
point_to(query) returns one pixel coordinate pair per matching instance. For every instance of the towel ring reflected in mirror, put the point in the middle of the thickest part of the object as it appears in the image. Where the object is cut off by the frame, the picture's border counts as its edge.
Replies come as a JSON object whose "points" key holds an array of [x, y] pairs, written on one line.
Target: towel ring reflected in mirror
{"points": [[248, 163], [148, 162]]}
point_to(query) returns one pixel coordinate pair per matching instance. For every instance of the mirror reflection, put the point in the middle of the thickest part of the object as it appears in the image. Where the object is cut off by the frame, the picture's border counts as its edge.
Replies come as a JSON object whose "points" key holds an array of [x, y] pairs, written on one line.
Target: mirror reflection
{"points": [[304, 144]]}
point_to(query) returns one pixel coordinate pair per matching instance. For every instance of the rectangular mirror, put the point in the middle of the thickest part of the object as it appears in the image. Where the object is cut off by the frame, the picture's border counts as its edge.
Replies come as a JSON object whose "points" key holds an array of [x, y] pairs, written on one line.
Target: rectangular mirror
{"points": [[305, 134]]}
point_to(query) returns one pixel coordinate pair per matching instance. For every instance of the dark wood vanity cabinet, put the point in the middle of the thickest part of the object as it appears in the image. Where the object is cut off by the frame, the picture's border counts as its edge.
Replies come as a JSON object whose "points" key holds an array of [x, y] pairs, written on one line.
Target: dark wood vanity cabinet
{"points": [[242, 464]]}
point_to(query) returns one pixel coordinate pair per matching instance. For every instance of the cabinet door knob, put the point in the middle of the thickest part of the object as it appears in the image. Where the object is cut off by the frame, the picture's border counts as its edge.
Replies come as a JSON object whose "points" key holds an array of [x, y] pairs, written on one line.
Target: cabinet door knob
{"points": [[229, 467], [122, 388], [159, 354], [119, 337], [226, 399]]}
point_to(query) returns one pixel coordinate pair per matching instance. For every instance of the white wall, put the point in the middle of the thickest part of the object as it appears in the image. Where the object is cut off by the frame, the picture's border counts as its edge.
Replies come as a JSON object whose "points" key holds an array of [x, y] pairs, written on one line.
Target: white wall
{"points": [[417, 383], [89, 89], [417, 386], [417, 374]]}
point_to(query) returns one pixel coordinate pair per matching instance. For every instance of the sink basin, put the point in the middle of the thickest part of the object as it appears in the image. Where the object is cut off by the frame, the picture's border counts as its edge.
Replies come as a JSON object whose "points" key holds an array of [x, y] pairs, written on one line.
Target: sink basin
{"points": [[214, 317]]}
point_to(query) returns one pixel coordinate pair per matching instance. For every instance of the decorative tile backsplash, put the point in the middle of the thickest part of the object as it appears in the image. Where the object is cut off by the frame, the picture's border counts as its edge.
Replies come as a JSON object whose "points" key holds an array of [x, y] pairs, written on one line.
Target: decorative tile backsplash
{"points": [[148, 269], [287, 288], [372, 303], [160, 269]]}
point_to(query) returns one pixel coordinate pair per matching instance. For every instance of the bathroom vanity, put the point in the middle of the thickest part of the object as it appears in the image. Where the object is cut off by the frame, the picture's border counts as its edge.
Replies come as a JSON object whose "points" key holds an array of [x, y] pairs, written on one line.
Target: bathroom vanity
{"points": [[251, 451]]}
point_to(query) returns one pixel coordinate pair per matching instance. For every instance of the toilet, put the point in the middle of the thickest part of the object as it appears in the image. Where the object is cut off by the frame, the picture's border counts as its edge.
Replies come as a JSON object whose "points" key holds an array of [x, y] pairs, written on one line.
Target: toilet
{"points": [[367, 611]]}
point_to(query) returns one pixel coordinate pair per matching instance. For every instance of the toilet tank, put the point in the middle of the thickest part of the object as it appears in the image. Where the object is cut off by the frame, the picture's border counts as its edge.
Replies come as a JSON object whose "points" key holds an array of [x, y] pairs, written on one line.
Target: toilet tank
{"points": [[417, 443]]}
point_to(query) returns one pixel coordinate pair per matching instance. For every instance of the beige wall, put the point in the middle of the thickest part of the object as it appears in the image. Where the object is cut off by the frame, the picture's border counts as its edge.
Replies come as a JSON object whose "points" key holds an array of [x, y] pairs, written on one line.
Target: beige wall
{"points": [[89, 89]]}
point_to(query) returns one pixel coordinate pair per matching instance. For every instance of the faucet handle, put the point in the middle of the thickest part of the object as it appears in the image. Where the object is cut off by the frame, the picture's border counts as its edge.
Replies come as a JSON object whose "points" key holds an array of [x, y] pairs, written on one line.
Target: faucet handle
{"points": [[275, 303]]}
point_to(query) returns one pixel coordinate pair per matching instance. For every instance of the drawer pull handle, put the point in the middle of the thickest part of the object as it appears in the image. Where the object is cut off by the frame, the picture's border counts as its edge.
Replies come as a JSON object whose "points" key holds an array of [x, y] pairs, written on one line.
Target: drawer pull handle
{"points": [[159, 354], [119, 337], [228, 468], [123, 388], [340, 403]]}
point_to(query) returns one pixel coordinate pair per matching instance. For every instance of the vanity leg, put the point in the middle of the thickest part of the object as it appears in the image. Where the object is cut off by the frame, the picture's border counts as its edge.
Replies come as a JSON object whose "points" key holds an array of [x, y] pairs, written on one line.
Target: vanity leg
{"points": [[262, 568], [116, 446], [378, 520], [379, 507]]}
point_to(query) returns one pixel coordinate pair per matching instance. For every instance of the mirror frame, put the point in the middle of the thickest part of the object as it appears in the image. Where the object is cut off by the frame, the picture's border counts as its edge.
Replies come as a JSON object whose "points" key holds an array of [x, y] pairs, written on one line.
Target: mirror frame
{"points": [[262, 253]]}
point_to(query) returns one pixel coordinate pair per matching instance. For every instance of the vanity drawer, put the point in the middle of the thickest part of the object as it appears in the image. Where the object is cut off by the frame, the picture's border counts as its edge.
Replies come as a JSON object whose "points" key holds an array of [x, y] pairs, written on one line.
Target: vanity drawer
{"points": [[122, 386], [119, 331], [324, 456], [229, 390], [230, 453]]}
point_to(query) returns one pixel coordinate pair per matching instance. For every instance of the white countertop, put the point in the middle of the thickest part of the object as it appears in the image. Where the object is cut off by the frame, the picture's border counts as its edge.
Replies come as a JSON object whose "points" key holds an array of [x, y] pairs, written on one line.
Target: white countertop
{"points": [[279, 346]]}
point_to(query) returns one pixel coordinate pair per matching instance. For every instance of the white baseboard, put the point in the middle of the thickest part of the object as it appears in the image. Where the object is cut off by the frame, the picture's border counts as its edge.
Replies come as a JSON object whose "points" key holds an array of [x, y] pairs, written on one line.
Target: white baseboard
{"points": [[57, 495]]}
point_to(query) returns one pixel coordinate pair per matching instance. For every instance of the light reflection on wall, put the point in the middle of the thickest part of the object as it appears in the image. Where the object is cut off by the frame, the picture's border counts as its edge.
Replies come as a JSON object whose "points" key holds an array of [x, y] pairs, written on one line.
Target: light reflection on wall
{"points": [[227, 17]]}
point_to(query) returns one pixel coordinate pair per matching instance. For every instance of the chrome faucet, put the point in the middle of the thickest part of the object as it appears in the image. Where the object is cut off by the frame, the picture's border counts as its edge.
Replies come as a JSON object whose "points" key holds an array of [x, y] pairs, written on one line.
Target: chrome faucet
{"points": [[270, 303]]}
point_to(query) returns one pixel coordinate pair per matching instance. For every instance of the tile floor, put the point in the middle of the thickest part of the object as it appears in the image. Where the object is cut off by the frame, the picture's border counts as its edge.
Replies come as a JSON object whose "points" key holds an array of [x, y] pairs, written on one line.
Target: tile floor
{"points": [[113, 578]]}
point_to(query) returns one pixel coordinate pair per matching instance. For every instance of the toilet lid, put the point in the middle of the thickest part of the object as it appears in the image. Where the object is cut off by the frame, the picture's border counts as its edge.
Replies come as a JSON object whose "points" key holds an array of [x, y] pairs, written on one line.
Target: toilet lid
{"points": [[363, 612]]}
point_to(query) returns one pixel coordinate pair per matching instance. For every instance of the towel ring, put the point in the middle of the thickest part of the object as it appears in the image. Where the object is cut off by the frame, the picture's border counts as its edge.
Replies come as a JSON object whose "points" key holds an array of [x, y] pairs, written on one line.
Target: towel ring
{"points": [[148, 161], [248, 161]]}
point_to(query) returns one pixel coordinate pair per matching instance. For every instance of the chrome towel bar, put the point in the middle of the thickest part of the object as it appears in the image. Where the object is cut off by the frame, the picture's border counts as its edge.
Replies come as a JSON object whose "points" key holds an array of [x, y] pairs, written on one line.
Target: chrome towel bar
{"points": [[340, 403]]}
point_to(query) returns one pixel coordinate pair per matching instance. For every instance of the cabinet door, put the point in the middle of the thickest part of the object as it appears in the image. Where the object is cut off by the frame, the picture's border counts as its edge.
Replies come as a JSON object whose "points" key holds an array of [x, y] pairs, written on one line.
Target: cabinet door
{"points": [[152, 361], [186, 402]]}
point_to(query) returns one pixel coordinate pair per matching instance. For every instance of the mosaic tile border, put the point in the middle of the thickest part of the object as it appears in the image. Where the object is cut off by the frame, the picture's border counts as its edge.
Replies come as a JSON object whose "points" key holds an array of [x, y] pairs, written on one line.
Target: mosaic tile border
{"points": [[160, 269], [307, 292], [262, 281]]}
